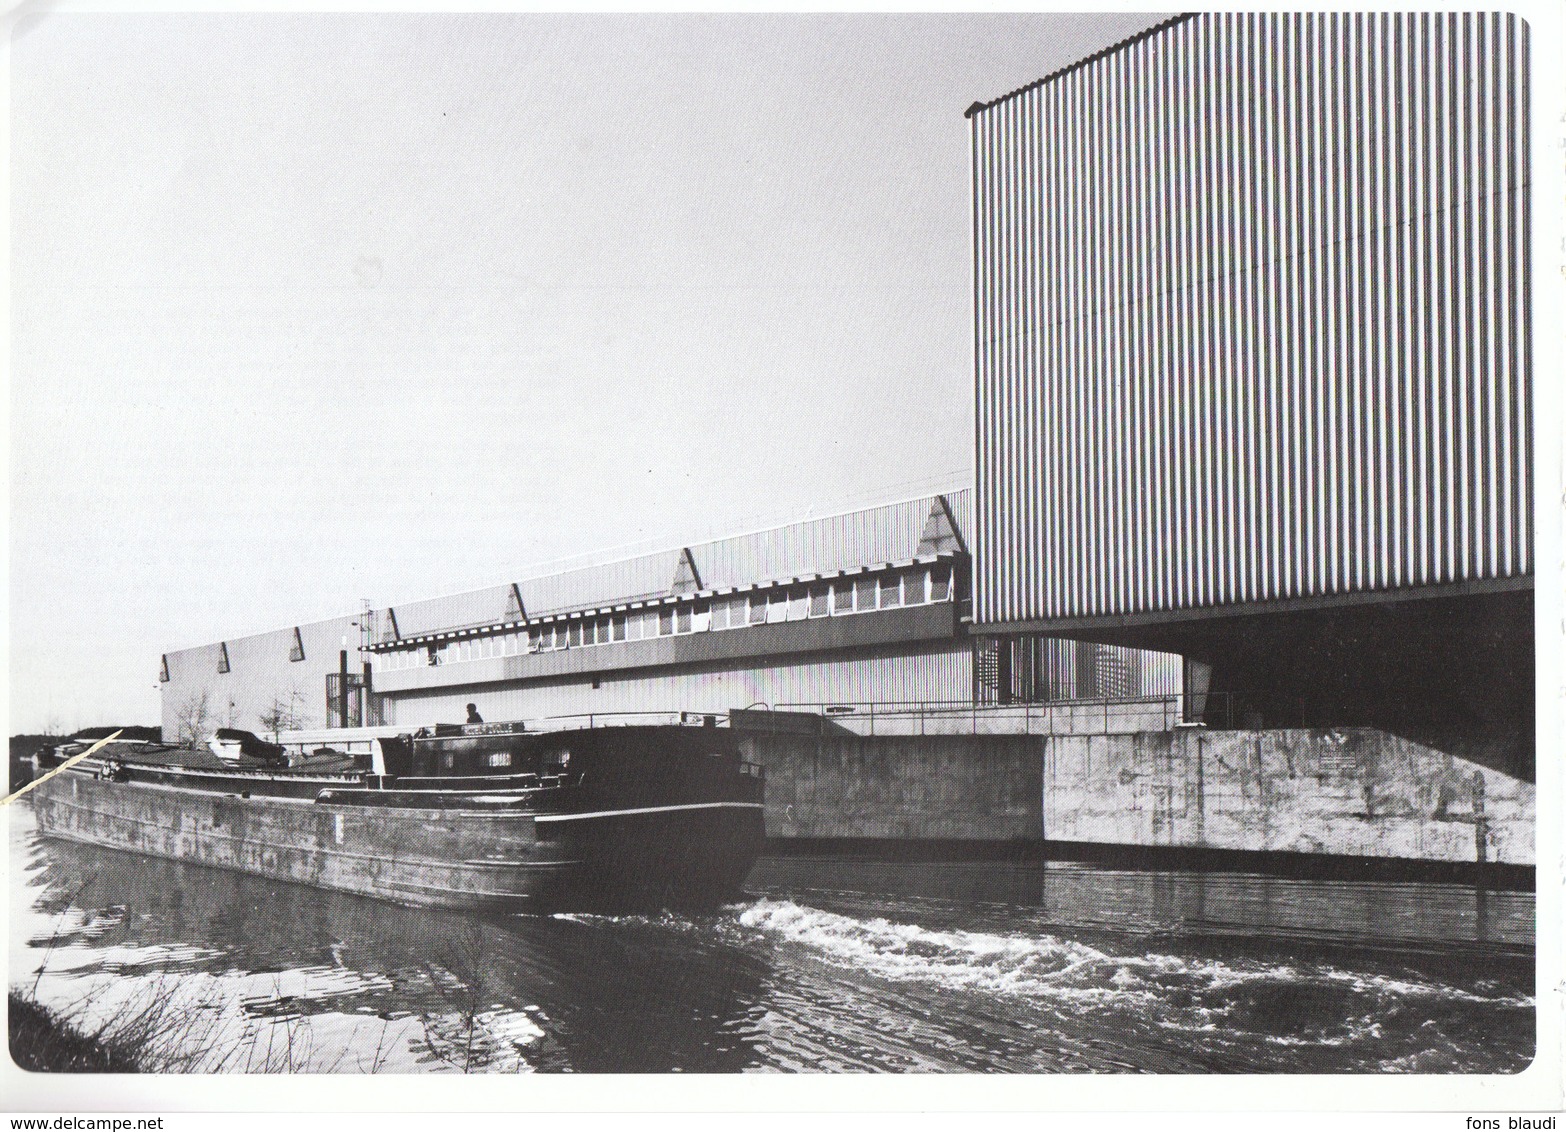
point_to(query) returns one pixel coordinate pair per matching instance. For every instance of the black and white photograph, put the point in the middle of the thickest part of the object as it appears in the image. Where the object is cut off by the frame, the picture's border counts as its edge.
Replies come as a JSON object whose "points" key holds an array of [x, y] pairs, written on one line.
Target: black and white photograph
{"points": [[866, 544]]}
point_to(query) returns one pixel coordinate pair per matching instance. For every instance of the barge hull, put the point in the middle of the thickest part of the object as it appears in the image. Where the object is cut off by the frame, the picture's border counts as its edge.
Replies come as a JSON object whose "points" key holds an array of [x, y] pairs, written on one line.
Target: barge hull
{"points": [[661, 854], [483, 860]]}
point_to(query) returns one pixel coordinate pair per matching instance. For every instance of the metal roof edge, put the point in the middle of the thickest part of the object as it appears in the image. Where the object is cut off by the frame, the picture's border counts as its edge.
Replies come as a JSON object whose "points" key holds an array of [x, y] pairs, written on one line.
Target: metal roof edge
{"points": [[748, 533], [653, 601], [270, 632], [915, 498], [545, 571], [1145, 33]]}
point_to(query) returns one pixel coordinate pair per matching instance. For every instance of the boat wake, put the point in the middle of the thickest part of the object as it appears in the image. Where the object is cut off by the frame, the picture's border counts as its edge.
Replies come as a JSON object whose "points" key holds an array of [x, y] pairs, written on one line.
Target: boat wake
{"points": [[1241, 1011], [1047, 966], [237, 973]]}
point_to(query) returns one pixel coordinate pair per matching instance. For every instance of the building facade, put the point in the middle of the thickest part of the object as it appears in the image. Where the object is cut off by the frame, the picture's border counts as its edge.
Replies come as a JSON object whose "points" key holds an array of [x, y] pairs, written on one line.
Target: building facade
{"points": [[868, 607], [1253, 361], [1252, 303]]}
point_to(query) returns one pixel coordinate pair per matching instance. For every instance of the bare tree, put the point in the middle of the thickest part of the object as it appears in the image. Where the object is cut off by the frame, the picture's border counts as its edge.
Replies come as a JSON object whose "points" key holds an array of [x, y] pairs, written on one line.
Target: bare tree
{"points": [[285, 713], [194, 718]]}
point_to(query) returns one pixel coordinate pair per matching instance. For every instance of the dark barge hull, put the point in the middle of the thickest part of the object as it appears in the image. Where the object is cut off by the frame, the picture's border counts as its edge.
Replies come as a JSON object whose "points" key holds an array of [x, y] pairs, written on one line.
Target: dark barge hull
{"points": [[485, 858]]}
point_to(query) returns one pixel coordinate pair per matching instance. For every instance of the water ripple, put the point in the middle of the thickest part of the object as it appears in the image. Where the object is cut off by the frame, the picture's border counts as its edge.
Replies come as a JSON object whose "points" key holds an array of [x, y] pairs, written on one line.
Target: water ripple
{"points": [[901, 968]]}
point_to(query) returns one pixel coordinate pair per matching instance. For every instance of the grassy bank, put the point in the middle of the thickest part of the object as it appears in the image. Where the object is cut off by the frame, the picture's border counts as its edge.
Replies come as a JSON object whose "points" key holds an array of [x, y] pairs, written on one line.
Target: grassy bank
{"points": [[41, 1042]]}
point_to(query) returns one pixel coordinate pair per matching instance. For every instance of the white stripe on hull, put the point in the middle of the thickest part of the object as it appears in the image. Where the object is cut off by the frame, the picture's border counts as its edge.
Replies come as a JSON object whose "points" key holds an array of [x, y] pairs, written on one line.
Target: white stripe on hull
{"points": [[650, 810]]}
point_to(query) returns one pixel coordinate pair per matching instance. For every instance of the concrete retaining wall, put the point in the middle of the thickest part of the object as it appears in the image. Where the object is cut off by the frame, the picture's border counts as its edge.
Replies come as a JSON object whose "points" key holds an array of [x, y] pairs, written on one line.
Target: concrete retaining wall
{"points": [[916, 787], [1351, 791]]}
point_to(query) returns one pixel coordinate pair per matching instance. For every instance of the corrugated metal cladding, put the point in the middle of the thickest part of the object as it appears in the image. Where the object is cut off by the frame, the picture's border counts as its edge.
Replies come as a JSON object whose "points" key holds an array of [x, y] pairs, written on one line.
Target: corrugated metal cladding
{"points": [[1252, 316], [839, 542], [940, 670], [870, 536], [1021, 669], [263, 677]]}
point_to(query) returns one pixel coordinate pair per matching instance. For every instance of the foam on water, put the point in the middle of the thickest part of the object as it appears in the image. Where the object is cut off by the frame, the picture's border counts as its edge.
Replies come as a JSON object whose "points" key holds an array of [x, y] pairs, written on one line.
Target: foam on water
{"points": [[910, 952], [1045, 966]]}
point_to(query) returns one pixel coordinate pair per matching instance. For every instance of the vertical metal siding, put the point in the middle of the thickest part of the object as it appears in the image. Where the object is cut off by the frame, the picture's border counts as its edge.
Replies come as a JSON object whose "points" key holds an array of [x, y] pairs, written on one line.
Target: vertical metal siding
{"points": [[475, 607], [260, 674], [869, 536], [935, 671], [1251, 303]]}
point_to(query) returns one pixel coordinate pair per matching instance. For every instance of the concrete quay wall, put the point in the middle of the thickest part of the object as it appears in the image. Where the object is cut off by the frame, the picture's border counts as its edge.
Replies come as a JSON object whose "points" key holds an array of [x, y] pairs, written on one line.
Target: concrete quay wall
{"points": [[1350, 791], [909, 787]]}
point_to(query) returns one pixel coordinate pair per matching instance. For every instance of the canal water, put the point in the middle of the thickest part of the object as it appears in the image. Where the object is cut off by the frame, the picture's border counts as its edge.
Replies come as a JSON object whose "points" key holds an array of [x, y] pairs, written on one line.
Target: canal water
{"points": [[823, 965]]}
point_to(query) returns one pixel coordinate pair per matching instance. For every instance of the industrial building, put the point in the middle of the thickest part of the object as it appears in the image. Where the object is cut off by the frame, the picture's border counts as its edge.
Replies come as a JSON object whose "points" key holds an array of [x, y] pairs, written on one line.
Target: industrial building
{"points": [[1253, 443], [1254, 372], [849, 611]]}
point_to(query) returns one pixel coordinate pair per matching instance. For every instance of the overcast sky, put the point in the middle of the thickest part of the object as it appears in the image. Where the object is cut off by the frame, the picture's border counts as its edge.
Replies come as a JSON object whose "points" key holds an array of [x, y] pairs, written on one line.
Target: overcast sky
{"points": [[312, 308]]}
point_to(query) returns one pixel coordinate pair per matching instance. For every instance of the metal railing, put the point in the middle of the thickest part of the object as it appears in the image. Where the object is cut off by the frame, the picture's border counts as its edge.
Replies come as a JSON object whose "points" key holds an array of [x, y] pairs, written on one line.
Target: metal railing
{"points": [[1106, 715], [359, 738], [1087, 716], [574, 722]]}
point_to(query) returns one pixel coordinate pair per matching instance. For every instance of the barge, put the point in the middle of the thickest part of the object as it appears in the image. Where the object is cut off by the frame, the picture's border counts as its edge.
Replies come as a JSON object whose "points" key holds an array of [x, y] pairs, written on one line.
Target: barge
{"points": [[481, 816]]}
